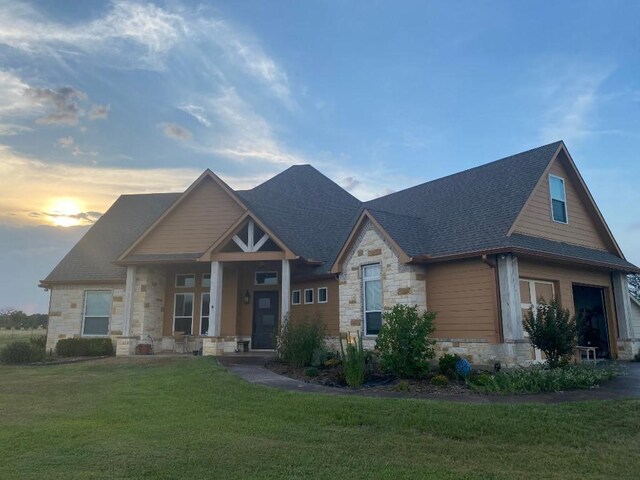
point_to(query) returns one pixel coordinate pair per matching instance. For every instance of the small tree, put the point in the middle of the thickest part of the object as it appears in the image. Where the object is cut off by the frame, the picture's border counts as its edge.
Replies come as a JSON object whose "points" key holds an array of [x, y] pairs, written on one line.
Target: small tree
{"points": [[404, 343], [552, 330]]}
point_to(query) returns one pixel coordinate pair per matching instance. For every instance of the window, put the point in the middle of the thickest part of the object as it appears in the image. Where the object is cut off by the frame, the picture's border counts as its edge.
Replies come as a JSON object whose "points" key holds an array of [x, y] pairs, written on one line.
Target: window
{"points": [[206, 280], [295, 297], [183, 313], [97, 311], [372, 293], [558, 199], [266, 278], [322, 295], [308, 295], [204, 314], [185, 281]]}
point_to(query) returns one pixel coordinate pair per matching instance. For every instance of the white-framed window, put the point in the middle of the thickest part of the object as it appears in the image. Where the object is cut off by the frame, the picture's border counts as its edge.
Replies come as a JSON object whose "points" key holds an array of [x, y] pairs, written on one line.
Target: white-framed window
{"points": [[323, 295], [372, 296], [185, 280], [295, 297], [204, 314], [266, 278], [206, 280], [558, 199], [308, 295], [183, 313], [97, 312], [531, 293]]}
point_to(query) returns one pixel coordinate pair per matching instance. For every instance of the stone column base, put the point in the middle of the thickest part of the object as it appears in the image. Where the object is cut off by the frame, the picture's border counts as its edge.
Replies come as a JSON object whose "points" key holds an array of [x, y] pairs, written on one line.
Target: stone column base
{"points": [[219, 345], [126, 346], [627, 349]]}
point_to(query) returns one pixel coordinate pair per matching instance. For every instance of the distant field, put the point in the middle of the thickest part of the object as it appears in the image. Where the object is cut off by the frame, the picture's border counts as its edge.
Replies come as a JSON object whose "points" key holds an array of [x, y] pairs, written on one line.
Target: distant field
{"points": [[8, 336]]}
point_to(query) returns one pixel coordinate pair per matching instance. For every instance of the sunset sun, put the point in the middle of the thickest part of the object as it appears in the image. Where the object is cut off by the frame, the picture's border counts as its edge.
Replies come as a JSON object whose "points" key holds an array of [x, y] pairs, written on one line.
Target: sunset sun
{"points": [[64, 212]]}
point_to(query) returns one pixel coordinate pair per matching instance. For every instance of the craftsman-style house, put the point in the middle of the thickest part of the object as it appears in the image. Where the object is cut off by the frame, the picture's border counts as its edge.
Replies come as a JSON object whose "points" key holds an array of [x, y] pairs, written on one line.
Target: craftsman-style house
{"points": [[217, 269]]}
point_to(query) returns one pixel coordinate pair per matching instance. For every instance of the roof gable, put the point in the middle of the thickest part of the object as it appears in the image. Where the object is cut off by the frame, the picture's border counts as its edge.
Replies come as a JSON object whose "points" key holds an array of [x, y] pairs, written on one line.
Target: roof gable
{"points": [[197, 218], [585, 227]]}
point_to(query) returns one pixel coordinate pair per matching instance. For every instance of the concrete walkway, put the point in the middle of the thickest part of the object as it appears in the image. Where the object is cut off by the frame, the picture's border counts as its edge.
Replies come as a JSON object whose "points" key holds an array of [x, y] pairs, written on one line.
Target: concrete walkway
{"points": [[252, 369]]}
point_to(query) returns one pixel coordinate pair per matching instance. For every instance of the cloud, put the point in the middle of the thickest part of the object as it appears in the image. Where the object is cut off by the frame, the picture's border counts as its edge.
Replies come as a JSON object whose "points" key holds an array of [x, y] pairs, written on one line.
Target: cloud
{"points": [[70, 143], [66, 142], [61, 103], [99, 112], [8, 129], [12, 99], [571, 96], [350, 183], [84, 218], [176, 132], [196, 112]]}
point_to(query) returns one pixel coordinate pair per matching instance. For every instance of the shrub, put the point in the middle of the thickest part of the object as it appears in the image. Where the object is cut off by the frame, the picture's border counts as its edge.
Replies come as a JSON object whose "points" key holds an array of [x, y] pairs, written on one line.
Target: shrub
{"points": [[298, 342], [84, 347], [540, 378], [636, 357], [353, 361], [402, 386], [311, 372], [39, 341], [20, 352], [552, 330], [332, 362], [447, 364], [440, 380], [404, 343]]}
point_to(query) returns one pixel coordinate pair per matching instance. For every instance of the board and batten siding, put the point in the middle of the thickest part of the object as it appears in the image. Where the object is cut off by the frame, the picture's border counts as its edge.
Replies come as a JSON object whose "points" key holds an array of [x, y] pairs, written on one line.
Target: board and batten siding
{"points": [[327, 313], [564, 277], [464, 295], [195, 224], [535, 220]]}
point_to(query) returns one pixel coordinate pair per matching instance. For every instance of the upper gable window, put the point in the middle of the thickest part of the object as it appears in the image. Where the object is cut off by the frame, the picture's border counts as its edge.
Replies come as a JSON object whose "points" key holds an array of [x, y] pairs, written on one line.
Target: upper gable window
{"points": [[558, 199]]}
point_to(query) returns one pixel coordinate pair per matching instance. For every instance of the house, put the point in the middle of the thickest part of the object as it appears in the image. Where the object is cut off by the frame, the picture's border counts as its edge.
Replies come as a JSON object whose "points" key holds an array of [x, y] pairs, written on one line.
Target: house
{"points": [[228, 268]]}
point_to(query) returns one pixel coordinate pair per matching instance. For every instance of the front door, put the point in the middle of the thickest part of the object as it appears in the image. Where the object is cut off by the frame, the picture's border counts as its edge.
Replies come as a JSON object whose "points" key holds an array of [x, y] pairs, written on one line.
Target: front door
{"points": [[591, 319], [265, 320]]}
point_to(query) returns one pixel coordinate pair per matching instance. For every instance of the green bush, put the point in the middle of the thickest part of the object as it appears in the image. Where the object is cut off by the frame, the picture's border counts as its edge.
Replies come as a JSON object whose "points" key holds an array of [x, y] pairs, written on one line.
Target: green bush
{"points": [[84, 347], [39, 341], [447, 365], [552, 330], [298, 342], [353, 361], [440, 380], [636, 357], [540, 378], [21, 352], [403, 342], [311, 372]]}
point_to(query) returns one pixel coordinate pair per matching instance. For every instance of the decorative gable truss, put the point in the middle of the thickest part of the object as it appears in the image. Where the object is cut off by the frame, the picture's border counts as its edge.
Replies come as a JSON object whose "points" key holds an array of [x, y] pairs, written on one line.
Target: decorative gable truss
{"points": [[250, 245]]}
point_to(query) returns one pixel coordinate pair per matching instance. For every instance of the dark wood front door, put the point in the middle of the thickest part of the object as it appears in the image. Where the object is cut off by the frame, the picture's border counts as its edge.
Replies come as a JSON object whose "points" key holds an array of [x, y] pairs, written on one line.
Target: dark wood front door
{"points": [[265, 319]]}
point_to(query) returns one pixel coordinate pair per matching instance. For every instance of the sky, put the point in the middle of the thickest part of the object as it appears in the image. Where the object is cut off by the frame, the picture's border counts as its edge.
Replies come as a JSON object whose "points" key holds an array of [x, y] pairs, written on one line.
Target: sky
{"points": [[103, 98]]}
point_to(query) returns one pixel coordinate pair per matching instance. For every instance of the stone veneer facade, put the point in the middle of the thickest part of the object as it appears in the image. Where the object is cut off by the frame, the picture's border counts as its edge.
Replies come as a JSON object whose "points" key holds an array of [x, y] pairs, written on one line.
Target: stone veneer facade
{"points": [[401, 283], [148, 304], [67, 308]]}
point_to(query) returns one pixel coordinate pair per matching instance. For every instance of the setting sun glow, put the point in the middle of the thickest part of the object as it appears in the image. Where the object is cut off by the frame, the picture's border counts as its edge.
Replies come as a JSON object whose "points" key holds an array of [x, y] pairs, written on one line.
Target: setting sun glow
{"points": [[64, 212]]}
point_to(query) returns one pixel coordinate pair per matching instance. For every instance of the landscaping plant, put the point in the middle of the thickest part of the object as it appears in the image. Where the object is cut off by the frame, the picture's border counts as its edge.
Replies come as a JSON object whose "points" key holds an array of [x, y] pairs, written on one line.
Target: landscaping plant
{"points": [[21, 352], [297, 342], [552, 330], [84, 347], [403, 342], [353, 361], [447, 364]]}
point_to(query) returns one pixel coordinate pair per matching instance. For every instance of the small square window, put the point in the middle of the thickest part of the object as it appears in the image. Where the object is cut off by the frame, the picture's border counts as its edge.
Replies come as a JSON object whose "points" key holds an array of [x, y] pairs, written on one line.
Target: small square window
{"points": [[308, 295], [206, 280], [295, 297], [185, 281], [266, 278], [322, 295]]}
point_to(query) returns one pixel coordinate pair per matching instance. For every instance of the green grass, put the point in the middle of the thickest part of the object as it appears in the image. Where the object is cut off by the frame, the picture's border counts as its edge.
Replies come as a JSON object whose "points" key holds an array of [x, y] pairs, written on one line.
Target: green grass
{"points": [[188, 418]]}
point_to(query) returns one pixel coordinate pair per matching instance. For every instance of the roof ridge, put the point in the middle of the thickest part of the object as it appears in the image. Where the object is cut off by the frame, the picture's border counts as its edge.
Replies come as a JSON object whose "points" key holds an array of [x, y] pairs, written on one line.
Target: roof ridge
{"points": [[477, 167]]}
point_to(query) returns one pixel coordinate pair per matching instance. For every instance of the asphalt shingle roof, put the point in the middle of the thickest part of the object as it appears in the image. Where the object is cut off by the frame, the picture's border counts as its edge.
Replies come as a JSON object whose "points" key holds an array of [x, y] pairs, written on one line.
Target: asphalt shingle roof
{"points": [[467, 212]]}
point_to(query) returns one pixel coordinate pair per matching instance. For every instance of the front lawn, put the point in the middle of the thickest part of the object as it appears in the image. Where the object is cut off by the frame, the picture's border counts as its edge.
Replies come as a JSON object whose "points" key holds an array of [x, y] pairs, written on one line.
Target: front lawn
{"points": [[188, 418]]}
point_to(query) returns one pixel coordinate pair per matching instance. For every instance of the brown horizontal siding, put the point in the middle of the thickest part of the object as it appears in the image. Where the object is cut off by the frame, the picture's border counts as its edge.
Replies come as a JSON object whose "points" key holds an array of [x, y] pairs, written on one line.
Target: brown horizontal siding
{"points": [[195, 224], [536, 219], [328, 313], [463, 293], [564, 277]]}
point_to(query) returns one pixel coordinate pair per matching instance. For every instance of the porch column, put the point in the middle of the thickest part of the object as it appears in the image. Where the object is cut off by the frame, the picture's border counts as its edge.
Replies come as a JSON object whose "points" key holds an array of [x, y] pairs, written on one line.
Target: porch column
{"points": [[285, 293], [623, 306], [509, 280], [215, 299], [128, 301]]}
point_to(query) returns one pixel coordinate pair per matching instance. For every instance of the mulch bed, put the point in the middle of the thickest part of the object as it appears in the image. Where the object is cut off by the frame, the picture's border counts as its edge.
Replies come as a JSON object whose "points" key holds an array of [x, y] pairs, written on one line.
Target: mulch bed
{"points": [[330, 377]]}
